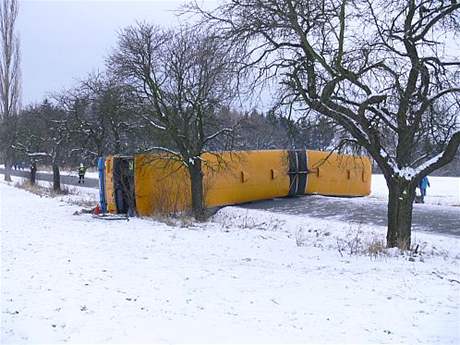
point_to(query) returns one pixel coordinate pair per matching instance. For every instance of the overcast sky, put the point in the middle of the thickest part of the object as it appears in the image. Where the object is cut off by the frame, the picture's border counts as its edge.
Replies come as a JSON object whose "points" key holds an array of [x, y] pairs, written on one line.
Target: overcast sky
{"points": [[62, 41]]}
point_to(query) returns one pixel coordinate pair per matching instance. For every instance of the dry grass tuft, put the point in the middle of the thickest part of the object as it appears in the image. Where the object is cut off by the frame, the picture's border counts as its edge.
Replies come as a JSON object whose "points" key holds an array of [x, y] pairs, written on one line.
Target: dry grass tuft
{"points": [[41, 190]]}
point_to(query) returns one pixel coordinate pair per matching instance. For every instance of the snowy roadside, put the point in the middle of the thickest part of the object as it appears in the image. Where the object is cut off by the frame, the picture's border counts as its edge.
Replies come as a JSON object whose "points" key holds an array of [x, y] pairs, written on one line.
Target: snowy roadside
{"points": [[246, 276], [76, 195], [343, 237]]}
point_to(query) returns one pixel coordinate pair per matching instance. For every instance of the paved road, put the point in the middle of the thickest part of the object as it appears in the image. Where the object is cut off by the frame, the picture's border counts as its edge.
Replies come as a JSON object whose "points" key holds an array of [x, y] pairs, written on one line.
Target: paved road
{"points": [[65, 179], [430, 218]]}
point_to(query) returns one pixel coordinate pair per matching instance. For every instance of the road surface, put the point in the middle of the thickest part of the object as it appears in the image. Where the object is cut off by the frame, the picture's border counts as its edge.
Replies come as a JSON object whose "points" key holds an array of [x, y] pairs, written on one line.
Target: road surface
{"points": [[439, 219], [65, 179]]}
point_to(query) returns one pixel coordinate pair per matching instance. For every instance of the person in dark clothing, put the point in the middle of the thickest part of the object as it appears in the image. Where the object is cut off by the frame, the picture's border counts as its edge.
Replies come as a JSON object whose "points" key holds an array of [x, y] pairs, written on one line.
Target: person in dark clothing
{"points": [[81, 173], [33, 172]]}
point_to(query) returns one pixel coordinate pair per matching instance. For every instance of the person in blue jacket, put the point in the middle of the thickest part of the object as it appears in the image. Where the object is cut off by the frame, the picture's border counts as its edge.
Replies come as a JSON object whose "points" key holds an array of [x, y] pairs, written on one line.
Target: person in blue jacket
{"points": [[423, 185]]}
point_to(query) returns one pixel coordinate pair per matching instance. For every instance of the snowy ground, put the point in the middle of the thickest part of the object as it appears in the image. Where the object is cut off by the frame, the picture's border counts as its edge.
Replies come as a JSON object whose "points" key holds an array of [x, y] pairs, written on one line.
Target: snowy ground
{"points": [[246, 276], [76, 194]]}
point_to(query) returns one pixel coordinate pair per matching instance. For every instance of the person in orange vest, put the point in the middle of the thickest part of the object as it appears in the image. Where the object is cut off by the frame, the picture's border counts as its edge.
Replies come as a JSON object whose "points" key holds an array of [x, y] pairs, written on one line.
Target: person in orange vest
{"points": [[81, 173]]}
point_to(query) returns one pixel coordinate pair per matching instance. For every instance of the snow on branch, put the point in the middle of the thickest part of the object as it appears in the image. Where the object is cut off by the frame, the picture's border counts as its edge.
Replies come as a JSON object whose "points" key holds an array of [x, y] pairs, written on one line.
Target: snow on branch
{"points": [[38, 154], [216, 134], [153, 124], [406, 173], [409, 173], [432, 164], [429, 162], [162, 149]]}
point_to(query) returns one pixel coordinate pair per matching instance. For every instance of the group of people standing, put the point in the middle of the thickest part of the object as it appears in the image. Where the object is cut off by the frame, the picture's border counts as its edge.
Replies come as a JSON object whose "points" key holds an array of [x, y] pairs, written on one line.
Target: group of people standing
{"points": [[19, 166]]}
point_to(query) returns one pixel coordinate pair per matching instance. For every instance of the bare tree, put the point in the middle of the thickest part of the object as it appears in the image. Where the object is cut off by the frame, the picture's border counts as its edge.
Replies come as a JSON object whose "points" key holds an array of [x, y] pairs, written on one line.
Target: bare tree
{"points": [[10, 76], [381, 69], [43, 135], [181, 78], [112, 108], [85, 123]]}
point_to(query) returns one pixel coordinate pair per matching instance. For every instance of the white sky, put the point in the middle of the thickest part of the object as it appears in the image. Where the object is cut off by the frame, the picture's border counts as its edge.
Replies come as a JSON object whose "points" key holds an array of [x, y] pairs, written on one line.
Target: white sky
{"points": [[62, 41]]}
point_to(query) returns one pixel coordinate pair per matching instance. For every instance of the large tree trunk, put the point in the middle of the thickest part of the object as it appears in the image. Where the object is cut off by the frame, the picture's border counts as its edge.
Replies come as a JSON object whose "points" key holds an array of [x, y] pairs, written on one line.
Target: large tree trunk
{"points": [[117, 142], [196, 179], [56, 178], [7, 166], [400, 203]]}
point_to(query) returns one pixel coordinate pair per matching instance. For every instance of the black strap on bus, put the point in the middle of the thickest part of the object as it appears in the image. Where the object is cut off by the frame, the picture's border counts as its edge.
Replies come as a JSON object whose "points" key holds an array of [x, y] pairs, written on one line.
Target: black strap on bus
{"points": [[292, 173], [297, 172], [302, 172]]}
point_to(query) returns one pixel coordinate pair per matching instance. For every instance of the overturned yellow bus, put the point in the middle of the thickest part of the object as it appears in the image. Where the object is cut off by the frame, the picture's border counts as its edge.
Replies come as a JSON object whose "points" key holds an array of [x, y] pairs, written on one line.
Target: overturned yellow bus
{"points": [[146, 184]]}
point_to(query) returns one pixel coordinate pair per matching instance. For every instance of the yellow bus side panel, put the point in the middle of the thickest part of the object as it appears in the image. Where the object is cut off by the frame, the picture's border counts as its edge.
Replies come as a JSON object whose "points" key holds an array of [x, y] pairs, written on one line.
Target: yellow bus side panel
{"points": [[161, 185], [340, 175], [242, 176]]}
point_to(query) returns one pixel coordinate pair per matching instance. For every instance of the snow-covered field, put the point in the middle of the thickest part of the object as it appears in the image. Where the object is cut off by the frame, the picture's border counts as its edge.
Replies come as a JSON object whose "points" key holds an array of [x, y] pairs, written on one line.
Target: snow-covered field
{"points": [[442, 190], [246, 276]]}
